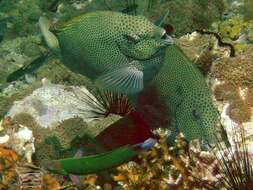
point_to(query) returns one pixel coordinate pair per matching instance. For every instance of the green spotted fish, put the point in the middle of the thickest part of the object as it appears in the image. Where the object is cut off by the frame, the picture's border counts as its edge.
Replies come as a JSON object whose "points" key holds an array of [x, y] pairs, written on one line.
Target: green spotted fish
{"points": [[182, 89], [130, 50], [128, 54], [114, 49]]}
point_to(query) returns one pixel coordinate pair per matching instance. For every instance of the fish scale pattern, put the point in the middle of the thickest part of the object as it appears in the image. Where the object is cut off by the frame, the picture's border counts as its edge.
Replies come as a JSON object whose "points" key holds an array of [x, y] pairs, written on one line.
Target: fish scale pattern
{"points": [[127, 52], [96, 43], [183, 89]]}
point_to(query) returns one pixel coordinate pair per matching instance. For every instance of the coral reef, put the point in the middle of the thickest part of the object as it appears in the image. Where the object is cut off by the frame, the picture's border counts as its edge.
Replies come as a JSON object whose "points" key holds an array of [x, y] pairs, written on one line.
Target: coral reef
{"points": [[201, 13], [19, 138], [8, 160], [16, 174], [236, 29], [52, 120], [204, 48], [56, 142], [235, 161], [182, 166], [23, 16], [237, 70], [232, 84], [235, 86], [201, 49], [17, 53], [170, 167], [187, 166]]}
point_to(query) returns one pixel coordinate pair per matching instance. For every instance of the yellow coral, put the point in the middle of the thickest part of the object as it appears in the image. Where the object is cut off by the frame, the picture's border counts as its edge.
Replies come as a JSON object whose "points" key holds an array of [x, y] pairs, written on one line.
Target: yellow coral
{"points": [[8, 160], [232, 27], [9, 157], [168, 168], [50, 183]]}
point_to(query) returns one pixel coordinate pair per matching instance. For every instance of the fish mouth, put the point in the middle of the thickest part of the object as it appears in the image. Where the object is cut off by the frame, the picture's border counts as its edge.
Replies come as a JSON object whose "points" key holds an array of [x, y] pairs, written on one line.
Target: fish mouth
{"points": [[168, 40]]}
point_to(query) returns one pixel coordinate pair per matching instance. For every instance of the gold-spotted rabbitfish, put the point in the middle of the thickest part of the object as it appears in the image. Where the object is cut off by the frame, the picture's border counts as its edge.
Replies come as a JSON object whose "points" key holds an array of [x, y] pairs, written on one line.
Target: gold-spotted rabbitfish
{"points": [[183, 90], [114, 49]]}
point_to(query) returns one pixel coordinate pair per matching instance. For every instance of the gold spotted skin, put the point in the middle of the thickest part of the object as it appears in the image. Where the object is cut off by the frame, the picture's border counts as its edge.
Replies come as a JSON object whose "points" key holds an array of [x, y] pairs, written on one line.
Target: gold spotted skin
{"points": [[184, 90], [99, 42]]}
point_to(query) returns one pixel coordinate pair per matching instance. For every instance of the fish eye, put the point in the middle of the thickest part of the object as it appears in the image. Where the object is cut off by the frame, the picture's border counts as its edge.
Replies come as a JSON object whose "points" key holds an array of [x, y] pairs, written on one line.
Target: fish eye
{"points": [[132, 39], [196, 114]]}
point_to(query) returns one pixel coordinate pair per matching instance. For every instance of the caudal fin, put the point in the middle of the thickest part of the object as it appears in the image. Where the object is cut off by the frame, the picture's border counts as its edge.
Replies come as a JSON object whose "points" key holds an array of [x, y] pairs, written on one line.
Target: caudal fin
{"points": [[49, 37]]}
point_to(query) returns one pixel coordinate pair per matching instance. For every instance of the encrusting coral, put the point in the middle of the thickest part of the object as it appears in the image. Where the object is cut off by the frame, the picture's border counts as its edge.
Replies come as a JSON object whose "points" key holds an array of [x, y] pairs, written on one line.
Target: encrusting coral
{"points": [[203, 48], [8, 160], [16, 173], [236, 70], [183, 166], [235, 87], [170, 167]]}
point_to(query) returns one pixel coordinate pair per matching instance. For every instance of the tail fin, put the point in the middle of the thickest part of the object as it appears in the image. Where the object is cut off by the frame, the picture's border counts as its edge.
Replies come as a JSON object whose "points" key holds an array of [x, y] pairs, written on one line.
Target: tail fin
{"points": [[28, 69], [49, 37]]}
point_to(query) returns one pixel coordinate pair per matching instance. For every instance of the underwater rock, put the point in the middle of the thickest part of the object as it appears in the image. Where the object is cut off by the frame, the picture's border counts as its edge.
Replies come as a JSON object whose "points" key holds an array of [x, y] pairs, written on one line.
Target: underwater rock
{"points": [[23, 143], [246, 9], [17, 53], [18, 138], [24, 15], [52, 104], [184, 15], [64, 139], [57, 117], [13, 92], [187, 15]]}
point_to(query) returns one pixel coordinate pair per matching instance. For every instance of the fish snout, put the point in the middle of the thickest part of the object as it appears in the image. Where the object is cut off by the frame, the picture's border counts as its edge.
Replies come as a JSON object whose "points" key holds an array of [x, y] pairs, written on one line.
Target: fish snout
{"points": [[167, 40]]}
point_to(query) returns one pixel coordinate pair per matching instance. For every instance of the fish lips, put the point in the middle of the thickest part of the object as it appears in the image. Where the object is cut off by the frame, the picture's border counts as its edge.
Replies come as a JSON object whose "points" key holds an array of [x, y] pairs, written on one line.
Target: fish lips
{"points": [[168, 40]]}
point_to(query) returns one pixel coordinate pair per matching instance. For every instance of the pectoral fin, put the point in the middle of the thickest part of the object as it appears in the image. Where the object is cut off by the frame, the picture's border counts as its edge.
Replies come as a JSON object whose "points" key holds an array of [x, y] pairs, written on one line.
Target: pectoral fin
{"points": [[127, 80]]}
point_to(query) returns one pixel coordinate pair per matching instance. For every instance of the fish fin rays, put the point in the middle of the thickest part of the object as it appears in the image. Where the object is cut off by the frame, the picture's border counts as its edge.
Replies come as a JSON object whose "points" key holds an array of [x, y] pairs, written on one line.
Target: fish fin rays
{"points": [[49, 37], [125, 80]]}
